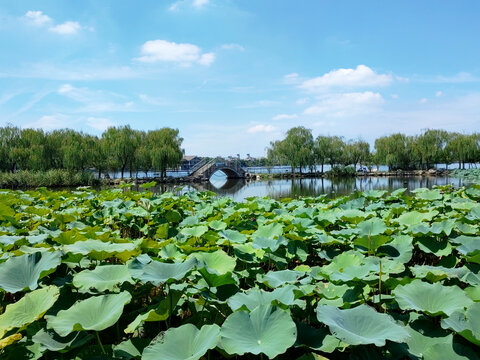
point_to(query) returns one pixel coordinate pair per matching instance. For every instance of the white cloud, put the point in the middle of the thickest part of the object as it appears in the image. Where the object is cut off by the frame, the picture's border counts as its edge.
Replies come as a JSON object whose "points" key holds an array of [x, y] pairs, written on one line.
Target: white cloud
{"points": [[49, 122], [207, 59], [461, 77], [423, 101], [439, 93], [152, 100], [394, 96], [233, 46], [166, 51], [285, 116], [346, 104], [67, 28], [99, 123], [199, 3], [38, 18], [175, 6], [361, 76], [292, 78], [261, 128]]}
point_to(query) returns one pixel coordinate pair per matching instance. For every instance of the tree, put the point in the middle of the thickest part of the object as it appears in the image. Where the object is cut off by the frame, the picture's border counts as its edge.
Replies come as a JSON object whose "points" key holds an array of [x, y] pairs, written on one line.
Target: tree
{"points": [[166, 152], [10, 147], [429, 147], [394, 151], [120, 145], [357, 152], [296, 150]]}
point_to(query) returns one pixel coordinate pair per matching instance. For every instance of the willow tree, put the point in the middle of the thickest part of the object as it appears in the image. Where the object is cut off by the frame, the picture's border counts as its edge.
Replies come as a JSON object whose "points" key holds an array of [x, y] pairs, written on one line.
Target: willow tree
{"points": [[120, 145], [296, 150], [10, 147], [165, 152], [429, 147], [395, 151]]}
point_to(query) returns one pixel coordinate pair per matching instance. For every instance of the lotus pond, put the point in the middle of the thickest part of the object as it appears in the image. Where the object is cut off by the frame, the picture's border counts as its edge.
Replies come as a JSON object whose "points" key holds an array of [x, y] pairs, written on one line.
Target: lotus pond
{"points": [[127, 275]]}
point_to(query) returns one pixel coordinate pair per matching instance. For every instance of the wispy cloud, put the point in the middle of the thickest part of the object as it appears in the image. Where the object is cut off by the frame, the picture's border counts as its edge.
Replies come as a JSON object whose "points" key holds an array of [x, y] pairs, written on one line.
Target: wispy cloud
{"points": [[233, 46], [100, 123], [39, 19], [285, 117], [345, 104], [360, 77], [261, 128], [50, 122], [181, 53]]}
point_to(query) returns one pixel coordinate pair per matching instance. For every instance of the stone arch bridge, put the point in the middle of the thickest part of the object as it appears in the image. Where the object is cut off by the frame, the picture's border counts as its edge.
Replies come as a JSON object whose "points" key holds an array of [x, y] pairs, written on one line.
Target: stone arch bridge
{"points": [[205, 169]]}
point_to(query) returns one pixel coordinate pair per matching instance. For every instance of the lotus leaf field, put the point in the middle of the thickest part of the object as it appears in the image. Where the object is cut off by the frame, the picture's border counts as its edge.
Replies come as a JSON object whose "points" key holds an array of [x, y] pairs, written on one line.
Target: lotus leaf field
{"points": [[117, 274]]}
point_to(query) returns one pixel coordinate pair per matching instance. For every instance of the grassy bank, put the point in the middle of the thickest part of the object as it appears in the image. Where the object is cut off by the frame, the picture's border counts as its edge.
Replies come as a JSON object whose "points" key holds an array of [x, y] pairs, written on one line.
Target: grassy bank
{"points": [[51, 178]]}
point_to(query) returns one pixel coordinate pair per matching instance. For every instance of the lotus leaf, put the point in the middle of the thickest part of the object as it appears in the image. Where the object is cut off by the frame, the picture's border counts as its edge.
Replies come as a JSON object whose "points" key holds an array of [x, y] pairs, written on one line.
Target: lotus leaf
{"points": [[265, 330], [465, 323], [255, 297], [158, 272], [269, 231], [433, 299], [361, 325], [29, 308], [102, 278], [95, 313], [186, 342], [217, 262], [21, 272]]}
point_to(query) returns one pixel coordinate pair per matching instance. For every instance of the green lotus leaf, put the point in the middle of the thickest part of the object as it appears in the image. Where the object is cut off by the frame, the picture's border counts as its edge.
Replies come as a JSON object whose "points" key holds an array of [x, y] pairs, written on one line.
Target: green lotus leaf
{"points": [[371, 227], [361, 325], [432, 245], [269, 231], [266, 330], [433, 299], [186, 342], [50, 340], [468, 244], [98, 249], [400, 248], [255, 297], [29, 308], [277, 278], [233, 236], [102, 278], [424, 334], [465, 323], [436, 273], [271, 244], [217, 262], [195, 231], [22, 272], [427, 194], [217, 225], [95, 313], [158, 272], [130, 349], [414, 217], [7, 240], [372, 243], [453, 351]]}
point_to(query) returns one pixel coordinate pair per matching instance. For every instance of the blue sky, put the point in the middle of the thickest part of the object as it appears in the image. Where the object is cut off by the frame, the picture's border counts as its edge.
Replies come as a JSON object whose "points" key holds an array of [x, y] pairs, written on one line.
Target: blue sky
{"points": [[234, 75]]}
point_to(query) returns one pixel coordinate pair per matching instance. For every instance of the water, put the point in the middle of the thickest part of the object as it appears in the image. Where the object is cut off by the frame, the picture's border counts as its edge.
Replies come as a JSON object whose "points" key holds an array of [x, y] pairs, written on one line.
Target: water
{"points": [[239, 189]]}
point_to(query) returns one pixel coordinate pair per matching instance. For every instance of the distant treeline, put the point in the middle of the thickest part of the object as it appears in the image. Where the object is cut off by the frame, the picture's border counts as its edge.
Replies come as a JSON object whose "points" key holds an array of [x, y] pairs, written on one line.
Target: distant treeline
{"points": [[300, 149], [118, 149]]}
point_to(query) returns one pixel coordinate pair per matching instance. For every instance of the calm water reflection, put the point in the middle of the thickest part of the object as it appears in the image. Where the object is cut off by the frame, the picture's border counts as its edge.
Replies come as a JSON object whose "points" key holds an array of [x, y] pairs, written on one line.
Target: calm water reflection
{"points": [[240, 189]]}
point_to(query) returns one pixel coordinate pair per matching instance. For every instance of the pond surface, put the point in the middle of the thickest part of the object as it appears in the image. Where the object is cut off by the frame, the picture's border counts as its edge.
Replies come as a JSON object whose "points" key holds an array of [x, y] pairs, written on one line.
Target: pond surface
{"points": [[239, 189]]}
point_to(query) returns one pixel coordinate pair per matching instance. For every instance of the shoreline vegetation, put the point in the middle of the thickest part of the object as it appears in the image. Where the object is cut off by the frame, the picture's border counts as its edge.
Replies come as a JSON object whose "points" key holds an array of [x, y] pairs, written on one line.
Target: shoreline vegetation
{"points": [[24, 179], [68, 158]]}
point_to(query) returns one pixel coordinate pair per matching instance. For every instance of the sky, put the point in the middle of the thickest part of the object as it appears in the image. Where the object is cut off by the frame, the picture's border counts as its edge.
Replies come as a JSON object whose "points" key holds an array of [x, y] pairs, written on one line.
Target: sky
{"points": [[235, 75]]}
